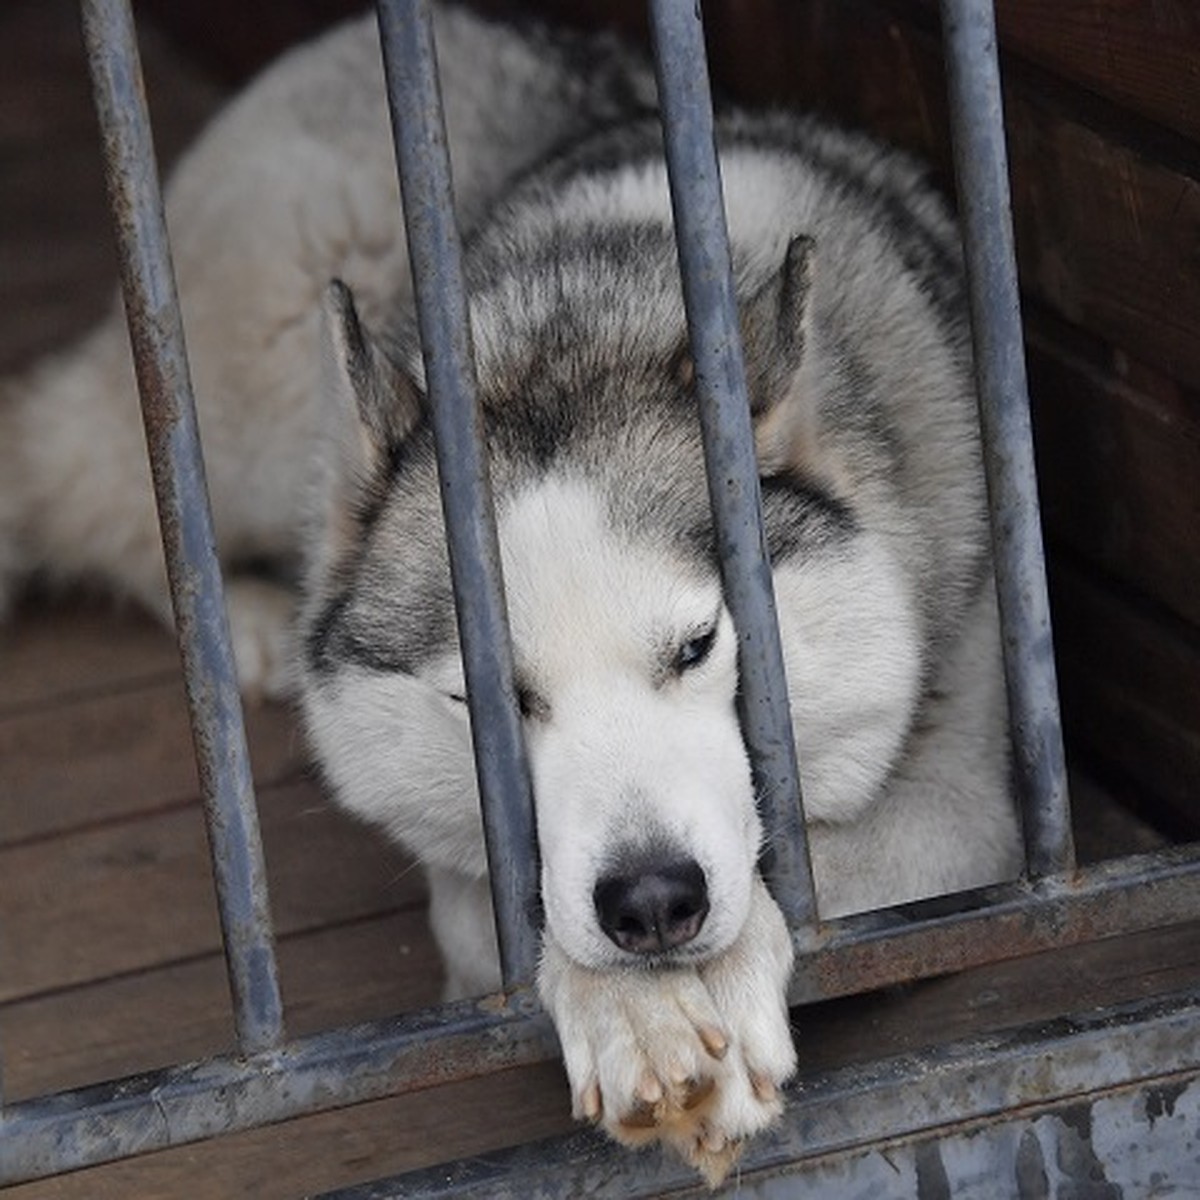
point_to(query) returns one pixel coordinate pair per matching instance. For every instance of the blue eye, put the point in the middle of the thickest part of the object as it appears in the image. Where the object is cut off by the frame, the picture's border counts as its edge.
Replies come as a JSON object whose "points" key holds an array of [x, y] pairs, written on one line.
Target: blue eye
{"points": [[695, 650]]}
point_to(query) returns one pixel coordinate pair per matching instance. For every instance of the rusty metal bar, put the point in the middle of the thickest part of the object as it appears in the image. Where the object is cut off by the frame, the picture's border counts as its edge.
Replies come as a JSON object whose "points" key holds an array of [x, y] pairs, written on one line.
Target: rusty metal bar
{"points": [[860, 953], [167, 1108], [168, 408], [433, 245], [202, 1100], [1008, 1110], [981, 168], [703, 241]]}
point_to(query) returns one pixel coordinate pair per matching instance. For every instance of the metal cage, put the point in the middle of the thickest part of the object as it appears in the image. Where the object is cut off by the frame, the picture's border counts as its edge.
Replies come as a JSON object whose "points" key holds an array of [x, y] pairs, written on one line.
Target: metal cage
{"points": [[996, 1107]]}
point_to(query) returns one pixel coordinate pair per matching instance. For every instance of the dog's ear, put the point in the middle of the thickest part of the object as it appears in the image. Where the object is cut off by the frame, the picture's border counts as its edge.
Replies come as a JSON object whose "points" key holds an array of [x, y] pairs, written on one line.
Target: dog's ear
{"points": [[374, 404], [369, 407], [776, 339], [775, 328]]}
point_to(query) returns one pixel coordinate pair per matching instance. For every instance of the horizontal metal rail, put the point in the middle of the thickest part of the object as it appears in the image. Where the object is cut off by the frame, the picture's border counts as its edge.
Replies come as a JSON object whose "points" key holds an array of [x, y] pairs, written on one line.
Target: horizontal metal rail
{"points": [[169, 412], [981, 168], [39, 1137], [933, 1123], [433, 245], [732, 467]]}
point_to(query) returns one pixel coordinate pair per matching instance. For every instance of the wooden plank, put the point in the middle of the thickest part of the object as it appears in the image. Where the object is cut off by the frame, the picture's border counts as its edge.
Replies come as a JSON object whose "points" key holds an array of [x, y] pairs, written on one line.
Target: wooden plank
{"points": [[1119, 462], [65, 649], [1131, 702], [1106, 237], [1143, 56], [107, 756], [134, 894], [179, 1013], [1104, 827]]}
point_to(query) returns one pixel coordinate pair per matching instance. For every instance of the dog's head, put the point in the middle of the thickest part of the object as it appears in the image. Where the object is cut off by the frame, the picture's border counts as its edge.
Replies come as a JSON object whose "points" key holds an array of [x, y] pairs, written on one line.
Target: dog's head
{"points": [[625, 655]]}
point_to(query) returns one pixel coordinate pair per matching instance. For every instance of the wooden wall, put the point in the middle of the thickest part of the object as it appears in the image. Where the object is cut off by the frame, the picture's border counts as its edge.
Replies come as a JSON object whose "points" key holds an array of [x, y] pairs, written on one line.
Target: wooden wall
{"points": [[1103, 109]]}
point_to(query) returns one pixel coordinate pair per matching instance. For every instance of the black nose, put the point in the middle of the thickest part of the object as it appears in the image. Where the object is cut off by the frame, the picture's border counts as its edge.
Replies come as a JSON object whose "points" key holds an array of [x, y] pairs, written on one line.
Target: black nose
{"points": [[658, 907]]}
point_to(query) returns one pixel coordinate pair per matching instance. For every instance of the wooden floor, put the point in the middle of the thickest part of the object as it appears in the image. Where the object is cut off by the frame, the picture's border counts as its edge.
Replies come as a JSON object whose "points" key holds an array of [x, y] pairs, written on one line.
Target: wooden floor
{"points": [[109, 948]]}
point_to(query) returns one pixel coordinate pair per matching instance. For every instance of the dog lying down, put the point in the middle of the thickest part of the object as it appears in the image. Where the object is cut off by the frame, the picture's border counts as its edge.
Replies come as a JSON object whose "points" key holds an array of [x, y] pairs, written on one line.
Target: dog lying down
{"points": [[665, 961]]}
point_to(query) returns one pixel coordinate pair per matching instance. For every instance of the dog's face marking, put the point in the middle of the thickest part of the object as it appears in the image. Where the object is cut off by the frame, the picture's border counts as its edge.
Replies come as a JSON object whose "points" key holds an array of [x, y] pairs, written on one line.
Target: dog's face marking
{"points": [[626, 662], [634, 742]]}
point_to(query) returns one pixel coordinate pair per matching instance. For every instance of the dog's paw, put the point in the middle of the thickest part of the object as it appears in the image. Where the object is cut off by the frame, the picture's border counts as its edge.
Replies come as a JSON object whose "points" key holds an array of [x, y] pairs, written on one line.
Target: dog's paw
{"points": [[260, 624], [748, 987], [694, 1058], [643, 1049]]}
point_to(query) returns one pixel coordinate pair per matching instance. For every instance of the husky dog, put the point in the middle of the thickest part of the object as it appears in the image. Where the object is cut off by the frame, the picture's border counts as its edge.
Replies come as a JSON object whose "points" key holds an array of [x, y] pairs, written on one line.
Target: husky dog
{"points": [[665, 962]]}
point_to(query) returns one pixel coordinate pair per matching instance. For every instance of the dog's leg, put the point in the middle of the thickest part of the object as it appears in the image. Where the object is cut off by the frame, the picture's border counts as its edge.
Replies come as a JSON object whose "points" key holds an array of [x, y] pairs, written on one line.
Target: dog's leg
{"points": [[748, 985], [460, 913], [260, 627], [692, 1057]]}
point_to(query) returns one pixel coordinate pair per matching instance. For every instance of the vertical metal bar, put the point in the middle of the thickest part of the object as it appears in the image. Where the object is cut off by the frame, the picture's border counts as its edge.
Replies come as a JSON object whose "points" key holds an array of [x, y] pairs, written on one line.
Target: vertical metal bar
{"points": [[168, 409], [433, 245], [981, 168], [703, 242]]}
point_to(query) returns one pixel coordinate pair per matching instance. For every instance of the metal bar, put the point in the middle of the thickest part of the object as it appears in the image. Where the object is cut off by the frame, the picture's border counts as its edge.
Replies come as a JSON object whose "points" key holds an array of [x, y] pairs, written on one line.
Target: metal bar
{"points": [[703, 243], [169, 413], [1123, 1082], [167, 1108], [433, 244], [858, 954], [330, 1070], [981, 168]]}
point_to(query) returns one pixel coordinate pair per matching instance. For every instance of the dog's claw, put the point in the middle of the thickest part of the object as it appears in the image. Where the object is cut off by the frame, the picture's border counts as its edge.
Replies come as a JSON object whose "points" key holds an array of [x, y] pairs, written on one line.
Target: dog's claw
{"points": [[640, 1119], [714, 1161], [649, 1090], [713, 1040], [697, 1092], [590, 1106]]}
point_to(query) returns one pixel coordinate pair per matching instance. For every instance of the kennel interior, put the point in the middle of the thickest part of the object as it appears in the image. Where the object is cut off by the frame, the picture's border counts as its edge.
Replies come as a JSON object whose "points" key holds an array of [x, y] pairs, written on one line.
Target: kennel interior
{"points": [[111, 958]]}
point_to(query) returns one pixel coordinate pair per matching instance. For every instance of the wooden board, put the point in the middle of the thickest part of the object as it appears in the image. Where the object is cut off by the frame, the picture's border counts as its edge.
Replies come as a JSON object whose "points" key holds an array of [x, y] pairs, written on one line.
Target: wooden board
{"points": [[129, 894], [1130, 696], [339, 974], [1119, 465], [1144, 57]]}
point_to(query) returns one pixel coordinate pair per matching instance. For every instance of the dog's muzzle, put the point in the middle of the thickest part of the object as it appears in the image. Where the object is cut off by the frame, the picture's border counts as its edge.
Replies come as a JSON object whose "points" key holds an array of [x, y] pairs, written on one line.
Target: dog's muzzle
{"points": [[655, 908]]}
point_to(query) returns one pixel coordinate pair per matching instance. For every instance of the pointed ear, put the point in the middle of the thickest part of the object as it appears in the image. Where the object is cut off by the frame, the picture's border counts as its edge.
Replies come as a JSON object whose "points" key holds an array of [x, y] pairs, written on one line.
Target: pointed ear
{"points": [[369, 406], [776, 337], [775, 328], [375, 405]]}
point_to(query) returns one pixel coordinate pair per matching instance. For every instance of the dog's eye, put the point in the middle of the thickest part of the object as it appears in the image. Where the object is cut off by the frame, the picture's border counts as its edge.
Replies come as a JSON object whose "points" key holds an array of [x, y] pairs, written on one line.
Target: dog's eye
{"points": [[695, 650]]}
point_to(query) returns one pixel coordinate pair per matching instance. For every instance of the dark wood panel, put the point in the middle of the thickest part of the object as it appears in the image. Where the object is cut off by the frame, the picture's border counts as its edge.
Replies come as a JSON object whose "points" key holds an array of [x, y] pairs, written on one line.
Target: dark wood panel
{"points": [[1119, 466], [333, 976], [1130, 695], [1106, 238], [106, 756], [58, 650], [1143, 56], [136, 894]]}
